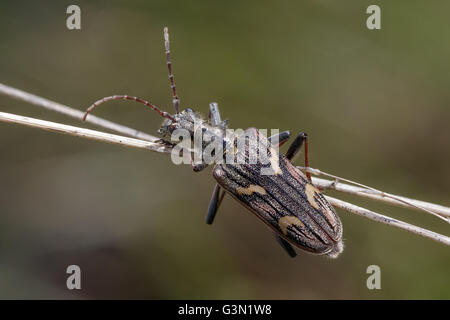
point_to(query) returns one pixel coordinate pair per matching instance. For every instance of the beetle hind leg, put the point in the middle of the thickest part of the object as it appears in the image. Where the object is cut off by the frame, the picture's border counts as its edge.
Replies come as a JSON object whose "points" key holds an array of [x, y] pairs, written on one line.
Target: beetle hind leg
{"points": [[216, 200], [295, 147], [286, 246]]}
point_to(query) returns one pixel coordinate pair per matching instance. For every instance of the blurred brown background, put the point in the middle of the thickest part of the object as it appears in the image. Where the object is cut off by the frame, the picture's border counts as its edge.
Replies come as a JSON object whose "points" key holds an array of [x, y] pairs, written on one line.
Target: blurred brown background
{"points": [[375, 104]]}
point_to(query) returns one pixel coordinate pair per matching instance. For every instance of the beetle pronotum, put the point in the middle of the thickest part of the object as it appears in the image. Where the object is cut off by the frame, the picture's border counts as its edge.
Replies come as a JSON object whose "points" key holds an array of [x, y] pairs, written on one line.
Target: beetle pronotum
{"points": [[285, 201]]}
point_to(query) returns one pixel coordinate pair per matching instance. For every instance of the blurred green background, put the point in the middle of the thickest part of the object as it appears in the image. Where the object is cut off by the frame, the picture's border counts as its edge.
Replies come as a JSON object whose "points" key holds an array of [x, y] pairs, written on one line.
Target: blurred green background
{"points": [[375, 104]]}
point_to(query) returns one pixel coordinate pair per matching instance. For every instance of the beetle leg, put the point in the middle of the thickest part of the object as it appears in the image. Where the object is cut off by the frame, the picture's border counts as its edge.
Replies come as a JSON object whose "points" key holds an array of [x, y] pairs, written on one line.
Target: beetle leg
{"points": [[216, 200], [294, 148], [198, 167], [166, 143], [214, 114], [282, 137], [286, 246]]}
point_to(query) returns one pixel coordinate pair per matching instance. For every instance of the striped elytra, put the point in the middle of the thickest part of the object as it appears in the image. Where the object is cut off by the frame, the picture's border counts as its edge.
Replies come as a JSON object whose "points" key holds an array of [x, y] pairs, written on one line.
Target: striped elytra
{"points": [[285, 201]]}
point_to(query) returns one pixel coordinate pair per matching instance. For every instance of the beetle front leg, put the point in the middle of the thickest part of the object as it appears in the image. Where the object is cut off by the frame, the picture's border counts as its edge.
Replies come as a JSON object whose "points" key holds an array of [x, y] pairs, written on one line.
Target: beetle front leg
{"points": [[216, 200], [214, 114], [166, 143], [294, 148], [286, 246]]}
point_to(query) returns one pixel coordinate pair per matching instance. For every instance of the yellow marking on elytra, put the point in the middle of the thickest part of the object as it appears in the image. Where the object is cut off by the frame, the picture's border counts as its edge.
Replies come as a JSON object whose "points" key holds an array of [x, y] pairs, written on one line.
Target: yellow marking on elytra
{"points": [[274, 162], [251, 189], [310, 191], [287, 221]]}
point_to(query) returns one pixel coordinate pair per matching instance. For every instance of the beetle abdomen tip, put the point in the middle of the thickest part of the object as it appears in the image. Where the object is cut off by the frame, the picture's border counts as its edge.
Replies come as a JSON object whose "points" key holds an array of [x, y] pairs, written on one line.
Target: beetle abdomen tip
{"points": [[337, 250]]}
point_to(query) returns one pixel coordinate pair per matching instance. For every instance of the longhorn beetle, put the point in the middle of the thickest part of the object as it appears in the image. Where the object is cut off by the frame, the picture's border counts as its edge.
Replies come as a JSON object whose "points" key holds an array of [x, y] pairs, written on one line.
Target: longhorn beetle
{"points": [[286, 201]]}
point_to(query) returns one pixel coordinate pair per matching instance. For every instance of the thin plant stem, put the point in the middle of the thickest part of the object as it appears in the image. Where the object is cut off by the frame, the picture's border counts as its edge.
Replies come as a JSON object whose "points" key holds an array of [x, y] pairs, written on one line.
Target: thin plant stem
{"points": [[74, 113], [84, 133], [148, 142]]}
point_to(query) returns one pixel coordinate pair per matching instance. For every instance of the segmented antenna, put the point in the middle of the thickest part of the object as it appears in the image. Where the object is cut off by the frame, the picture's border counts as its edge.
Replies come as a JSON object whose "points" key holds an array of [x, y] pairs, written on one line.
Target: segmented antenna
{"points": [[176, 100], [125, 97]]}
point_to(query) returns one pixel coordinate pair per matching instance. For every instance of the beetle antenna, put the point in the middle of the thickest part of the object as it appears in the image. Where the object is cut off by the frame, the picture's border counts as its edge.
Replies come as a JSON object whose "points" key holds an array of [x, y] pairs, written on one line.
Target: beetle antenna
{"points": [[176, 100], [125, 97]]}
